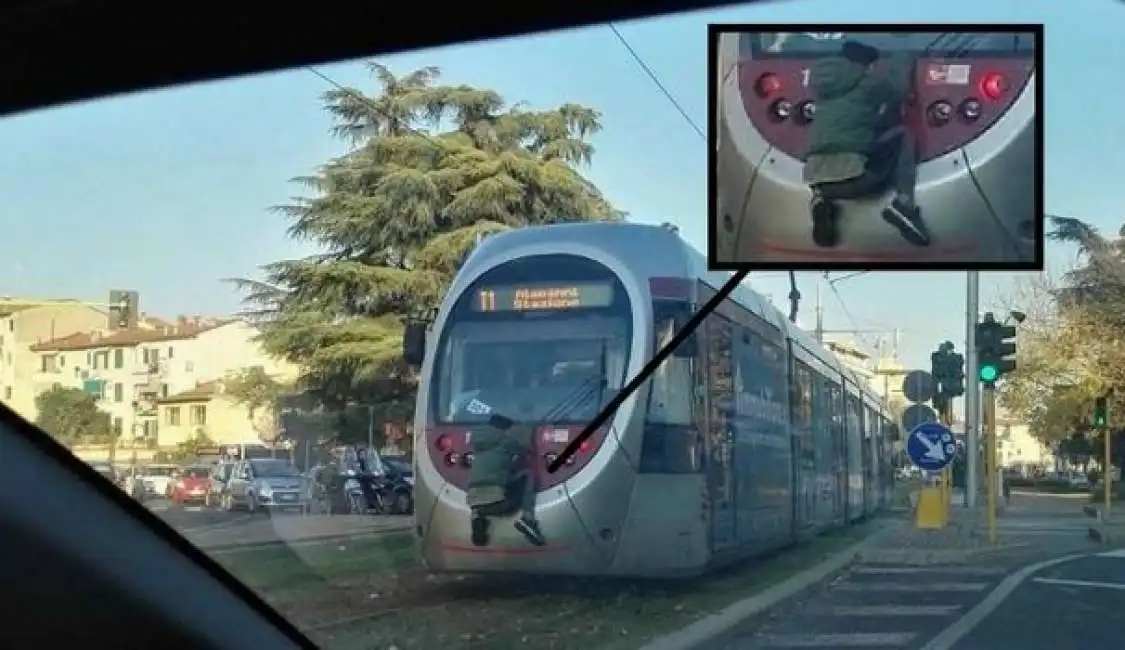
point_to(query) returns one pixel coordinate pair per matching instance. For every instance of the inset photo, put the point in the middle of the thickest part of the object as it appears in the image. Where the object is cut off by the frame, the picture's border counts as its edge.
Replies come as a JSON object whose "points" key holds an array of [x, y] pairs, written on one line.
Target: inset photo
{"points": [[876, 147]]}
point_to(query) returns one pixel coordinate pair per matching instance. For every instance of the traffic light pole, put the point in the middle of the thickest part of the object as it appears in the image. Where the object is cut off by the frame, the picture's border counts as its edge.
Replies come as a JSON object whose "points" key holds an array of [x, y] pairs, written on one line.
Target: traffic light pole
{"points": [[972, 389], [991, 473]]}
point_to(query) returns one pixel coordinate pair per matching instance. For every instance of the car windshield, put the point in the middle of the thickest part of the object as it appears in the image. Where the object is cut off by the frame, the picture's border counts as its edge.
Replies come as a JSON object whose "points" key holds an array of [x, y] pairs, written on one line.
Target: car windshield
{"points": [[158, 470], [273, 468], [270, 271]]}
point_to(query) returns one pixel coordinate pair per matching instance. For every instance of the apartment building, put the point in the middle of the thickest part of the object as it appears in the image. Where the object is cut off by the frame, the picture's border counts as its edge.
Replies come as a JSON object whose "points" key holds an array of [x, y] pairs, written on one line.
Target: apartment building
{"points": [[207, 409], [24, 323], [131, 371]]}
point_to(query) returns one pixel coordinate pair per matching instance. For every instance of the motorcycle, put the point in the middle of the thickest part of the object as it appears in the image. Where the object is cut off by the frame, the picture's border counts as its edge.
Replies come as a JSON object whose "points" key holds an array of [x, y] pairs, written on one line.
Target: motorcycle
{"points": [[361, 501]]}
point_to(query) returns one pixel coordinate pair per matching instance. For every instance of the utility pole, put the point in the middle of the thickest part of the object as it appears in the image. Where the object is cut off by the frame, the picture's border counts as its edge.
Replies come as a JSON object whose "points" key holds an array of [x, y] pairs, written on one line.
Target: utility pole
{"points": [[972, 389]]}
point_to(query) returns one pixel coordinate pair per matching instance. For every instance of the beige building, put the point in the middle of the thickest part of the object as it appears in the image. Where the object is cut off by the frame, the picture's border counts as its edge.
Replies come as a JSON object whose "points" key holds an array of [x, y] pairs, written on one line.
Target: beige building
{"points": [[132, 371], [24, 323], [206, 410]]}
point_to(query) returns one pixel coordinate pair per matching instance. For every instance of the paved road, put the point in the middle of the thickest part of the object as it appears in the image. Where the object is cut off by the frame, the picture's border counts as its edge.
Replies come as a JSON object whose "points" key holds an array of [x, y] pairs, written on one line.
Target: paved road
{"points": [[211, 528], [191, 517], [1069, 605], [904, 606], [872, 606]]}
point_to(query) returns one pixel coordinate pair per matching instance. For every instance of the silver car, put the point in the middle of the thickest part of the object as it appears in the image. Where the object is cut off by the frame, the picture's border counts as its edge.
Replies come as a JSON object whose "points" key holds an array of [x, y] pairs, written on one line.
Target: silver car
{"points": [[265, 484]]}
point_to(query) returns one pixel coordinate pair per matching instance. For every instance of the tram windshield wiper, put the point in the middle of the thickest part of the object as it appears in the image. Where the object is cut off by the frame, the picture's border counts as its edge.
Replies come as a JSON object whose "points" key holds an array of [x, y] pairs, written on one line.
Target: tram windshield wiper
{"points": [[655, 362]]}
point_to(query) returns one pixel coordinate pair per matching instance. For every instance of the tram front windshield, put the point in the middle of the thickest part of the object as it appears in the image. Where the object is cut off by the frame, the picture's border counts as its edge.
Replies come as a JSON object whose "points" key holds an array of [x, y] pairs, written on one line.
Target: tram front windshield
{"points": [[533, 351], [932, 44]]}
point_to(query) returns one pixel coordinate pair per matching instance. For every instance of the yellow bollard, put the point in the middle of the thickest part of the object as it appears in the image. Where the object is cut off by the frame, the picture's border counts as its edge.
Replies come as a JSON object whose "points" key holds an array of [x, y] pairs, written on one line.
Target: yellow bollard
{"points": [[931, 511]]}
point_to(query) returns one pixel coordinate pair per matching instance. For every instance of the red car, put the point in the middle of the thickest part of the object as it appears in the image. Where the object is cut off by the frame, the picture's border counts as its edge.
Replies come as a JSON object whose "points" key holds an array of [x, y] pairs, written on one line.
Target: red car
{"points": [[191, 485]]}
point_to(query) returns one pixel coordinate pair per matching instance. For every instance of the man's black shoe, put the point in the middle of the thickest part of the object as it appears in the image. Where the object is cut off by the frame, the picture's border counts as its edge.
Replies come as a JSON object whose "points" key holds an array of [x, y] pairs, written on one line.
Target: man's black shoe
{"points": [[530, 529], [907, 218], [480, 530], [824, 215]]}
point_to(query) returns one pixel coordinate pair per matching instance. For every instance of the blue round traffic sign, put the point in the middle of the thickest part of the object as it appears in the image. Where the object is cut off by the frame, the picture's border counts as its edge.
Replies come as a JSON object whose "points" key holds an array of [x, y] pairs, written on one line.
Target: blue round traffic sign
{"points": [[931, 446]]}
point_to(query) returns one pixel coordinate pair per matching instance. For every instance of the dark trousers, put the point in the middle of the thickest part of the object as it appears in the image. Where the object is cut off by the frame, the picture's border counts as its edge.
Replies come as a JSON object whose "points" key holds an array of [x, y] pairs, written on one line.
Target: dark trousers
{"points": [[893, 161], [520, 496]]}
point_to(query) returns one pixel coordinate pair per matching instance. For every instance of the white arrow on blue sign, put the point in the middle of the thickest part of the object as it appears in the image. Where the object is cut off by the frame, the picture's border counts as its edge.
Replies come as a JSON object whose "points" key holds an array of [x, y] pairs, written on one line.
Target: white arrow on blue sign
{"points": [[931, 446]]}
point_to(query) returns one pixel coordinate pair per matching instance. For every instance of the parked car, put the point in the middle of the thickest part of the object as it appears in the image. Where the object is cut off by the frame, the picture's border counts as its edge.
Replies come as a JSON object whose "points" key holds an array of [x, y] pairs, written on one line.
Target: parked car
{"points": [[190, 485], [265, 484], [106, 470], [157, 478], [217, 480]]}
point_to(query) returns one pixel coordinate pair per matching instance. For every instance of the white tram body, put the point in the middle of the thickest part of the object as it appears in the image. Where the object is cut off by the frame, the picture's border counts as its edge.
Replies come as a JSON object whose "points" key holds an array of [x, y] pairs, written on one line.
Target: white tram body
{"points": [[972, 110], [750, 437]]}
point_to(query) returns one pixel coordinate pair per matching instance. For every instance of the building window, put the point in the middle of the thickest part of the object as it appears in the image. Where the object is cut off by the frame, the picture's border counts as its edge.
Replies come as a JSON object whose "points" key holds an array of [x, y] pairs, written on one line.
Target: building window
{"points": [[118, 392], [189, 366], [118, 426], [198, 416], [8, 392], [173, 417], [164, 390], [62, 360], [170, 355], [119, 358]]}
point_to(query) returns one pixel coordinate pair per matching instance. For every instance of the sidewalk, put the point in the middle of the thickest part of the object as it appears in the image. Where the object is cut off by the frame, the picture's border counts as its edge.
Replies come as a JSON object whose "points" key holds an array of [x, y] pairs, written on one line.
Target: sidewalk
{"points": [[1030, 524], [294, 529]]}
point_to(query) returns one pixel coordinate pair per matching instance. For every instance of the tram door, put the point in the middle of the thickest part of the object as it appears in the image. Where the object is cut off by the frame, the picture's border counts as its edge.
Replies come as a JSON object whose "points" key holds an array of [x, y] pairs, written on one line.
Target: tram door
{"points": [[839, 453], [721, 431]]}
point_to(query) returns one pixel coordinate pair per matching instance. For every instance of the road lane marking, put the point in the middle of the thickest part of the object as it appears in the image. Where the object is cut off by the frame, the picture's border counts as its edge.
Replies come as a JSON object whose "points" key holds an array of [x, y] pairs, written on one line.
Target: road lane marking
{"points": [[942, 569], [948, 638], [853, 640], [1119, 553], [921, 587], [1061, 582], [893, 610]]}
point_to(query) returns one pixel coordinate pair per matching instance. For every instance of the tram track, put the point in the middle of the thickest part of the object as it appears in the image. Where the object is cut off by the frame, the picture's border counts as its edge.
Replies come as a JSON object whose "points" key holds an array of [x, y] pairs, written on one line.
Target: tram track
{"points": [[350, 598]]}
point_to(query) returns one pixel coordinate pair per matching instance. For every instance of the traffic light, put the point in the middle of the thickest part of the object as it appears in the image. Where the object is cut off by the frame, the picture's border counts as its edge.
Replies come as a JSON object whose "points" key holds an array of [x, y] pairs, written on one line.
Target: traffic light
{"points": [[1101, 412], [948, 370], [954, 386], [122, 309], [994, 348]]}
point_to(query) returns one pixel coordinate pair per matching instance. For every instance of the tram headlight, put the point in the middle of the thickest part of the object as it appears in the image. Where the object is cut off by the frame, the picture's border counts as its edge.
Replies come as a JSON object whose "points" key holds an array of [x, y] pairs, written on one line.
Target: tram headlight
{"points": [[970, 110], [550, 457], [452, 459], [467, 459], [939, 112], [781, 110], [807, 111]]}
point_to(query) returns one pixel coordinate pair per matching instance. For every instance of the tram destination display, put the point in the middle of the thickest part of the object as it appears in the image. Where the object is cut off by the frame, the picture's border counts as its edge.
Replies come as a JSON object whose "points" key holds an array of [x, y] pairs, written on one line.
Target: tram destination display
{"points": [[535, 297]]}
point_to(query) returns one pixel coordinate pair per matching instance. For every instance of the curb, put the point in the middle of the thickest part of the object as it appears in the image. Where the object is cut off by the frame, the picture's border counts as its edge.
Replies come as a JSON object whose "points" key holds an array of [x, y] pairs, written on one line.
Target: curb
{"points": [[1092, 511], [249, 547], [716, 625]]}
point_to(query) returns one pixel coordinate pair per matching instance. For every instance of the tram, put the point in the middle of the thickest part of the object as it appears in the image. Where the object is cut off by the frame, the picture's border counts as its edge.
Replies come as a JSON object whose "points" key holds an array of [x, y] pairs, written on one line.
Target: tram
{"points": [[972, 109], [749, 438]]}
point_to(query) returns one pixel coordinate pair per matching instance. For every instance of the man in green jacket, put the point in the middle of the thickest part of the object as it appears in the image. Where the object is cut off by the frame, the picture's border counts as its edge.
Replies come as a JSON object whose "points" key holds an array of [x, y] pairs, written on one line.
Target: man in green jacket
{"points": [[858, 143], [500, 479]]}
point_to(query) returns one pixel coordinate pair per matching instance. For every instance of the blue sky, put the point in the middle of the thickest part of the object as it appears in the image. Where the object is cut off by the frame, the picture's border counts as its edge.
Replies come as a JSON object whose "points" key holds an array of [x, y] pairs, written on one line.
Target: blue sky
{"points": [[167, 192]]}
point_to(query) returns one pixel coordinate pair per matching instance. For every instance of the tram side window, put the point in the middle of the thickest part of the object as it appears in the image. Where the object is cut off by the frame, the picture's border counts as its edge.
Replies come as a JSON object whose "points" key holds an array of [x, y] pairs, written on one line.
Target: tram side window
{"points": [[854, 420], [671, 393], [836, 409], [822, 409], [760, 384], [803, 411]]}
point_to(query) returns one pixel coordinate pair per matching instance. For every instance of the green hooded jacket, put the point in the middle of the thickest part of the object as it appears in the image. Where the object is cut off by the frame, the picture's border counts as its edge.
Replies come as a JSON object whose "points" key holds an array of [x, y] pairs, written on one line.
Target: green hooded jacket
{"points": [[497, 456], [851, 104]]}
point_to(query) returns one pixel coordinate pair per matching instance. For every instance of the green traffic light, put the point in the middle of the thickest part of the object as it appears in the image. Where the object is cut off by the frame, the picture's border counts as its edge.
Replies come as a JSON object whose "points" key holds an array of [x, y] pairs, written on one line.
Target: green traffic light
{"points": [[988, 373]]}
